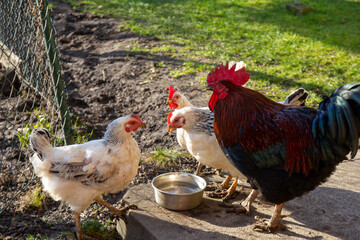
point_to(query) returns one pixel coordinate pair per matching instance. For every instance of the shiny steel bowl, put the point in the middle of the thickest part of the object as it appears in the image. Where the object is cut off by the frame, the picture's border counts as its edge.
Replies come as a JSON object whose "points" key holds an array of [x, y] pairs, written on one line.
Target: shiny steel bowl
{"points": [[178, 191]]}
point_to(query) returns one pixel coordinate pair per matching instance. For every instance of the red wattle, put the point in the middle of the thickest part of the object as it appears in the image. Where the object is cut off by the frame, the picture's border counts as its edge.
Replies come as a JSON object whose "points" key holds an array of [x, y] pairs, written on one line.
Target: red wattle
{"points": [[173, 105], [213, 100]]}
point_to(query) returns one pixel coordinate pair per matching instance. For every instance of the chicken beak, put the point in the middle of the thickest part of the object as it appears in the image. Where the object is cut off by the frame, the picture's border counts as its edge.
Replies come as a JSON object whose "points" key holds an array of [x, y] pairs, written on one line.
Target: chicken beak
{"points": [[208, 87], [170, 129], [143, 125], [168, 101]]}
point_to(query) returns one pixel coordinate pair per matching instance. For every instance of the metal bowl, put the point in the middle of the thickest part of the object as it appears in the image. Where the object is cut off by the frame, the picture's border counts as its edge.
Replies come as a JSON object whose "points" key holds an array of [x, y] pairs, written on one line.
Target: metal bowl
{"points": [[178, 191]]}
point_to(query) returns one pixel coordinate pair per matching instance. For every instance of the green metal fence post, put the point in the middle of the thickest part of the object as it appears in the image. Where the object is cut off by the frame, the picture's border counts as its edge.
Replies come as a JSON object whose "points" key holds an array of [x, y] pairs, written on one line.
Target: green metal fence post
{"points": [[57, 78]]}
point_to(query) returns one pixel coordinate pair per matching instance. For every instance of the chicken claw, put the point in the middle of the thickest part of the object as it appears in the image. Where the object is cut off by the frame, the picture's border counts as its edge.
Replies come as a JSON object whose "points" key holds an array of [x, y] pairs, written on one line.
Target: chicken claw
{"points": [[274, 222], [225, 183], [118, 212], [249, 200]]}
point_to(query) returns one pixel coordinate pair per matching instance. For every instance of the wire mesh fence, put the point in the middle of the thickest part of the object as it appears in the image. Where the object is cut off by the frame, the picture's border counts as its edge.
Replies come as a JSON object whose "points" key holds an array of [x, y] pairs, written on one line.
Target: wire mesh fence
{"points": [[32, 92]]}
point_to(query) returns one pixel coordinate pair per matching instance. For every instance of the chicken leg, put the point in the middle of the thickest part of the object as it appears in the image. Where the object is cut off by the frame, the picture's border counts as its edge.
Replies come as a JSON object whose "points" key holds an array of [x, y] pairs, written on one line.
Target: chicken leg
{"points": [[225, 183], [225, 194], [231, 190], [249, 200], [79, 234], [274, 222], [198, 169], [119, 212]]}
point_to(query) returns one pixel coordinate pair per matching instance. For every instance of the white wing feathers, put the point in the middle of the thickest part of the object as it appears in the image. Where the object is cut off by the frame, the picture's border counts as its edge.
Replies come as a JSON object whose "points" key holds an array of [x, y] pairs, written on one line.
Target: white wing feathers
{"points": [[89, 163]]}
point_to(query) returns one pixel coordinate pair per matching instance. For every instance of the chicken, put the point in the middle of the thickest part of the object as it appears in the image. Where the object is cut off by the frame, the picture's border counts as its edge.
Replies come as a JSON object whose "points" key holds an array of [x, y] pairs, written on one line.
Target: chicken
{"points": [[176, 100], [284, 151], [79, 174], [195, 134], [201, 143]]}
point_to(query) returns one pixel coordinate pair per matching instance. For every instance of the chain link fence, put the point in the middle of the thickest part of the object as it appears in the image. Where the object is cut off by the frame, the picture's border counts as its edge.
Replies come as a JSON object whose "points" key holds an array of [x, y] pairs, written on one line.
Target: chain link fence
{"points": [[32, 91]]}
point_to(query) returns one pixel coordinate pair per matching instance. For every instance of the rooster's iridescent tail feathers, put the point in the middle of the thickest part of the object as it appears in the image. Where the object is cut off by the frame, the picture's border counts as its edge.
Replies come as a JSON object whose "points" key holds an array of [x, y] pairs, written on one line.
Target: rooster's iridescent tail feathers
{"points": [[338, 120]]}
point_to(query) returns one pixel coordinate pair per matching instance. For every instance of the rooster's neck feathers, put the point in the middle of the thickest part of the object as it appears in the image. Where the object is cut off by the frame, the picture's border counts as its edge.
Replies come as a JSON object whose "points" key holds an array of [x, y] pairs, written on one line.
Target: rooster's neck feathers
{"points": [[252, 104]]}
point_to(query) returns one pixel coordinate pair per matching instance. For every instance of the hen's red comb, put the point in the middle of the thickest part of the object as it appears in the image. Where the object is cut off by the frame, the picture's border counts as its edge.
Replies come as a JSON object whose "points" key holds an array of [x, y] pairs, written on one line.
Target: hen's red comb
{"points": [[171, 91], [169, 116], [238, 78], [136, 117]]}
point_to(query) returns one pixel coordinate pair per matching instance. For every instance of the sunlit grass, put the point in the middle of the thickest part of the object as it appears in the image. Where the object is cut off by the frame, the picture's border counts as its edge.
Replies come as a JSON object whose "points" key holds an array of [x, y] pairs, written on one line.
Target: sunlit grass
{"points": [[95, 229], [165, 157], [318, 51]]}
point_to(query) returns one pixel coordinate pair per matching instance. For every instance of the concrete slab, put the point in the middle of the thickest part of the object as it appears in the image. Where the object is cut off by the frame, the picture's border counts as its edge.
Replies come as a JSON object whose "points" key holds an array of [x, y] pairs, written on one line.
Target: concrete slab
{"points": [[332, 211]]}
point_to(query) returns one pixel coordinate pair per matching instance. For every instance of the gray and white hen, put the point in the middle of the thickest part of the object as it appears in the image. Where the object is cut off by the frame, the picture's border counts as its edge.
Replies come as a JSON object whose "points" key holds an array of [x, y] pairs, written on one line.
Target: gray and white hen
{"points": [[79, 174]]}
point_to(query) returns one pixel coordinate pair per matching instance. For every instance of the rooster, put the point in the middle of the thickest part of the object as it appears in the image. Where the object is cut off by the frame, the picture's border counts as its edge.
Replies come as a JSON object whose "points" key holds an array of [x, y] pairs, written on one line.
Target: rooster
{"points": [[284, 151], [79, 174], [196, 135]]}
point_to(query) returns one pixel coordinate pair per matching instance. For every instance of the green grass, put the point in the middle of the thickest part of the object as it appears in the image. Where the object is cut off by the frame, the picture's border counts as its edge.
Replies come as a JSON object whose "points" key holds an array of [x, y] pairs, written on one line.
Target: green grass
{"points": [[62, 236], [165, 157], [95, 229], [318, 51], [34, 198]]}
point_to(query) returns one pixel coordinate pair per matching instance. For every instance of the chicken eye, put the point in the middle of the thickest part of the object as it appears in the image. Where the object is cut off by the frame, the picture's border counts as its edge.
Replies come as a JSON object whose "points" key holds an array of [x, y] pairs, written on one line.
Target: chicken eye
{"points": [[176, 120], [176, 97]]}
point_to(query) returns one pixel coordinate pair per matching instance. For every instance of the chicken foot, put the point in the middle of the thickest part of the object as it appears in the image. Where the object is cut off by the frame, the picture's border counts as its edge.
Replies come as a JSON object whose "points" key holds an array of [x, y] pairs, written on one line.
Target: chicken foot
{"points": [[225, 194], [119, 212], [222, 186], [246, 204], [274, 222], [231, 190], [225, 183]]}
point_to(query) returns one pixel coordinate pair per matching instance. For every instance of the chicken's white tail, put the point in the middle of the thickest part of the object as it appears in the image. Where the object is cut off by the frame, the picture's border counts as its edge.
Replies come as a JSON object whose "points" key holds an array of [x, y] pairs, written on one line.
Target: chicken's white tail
{"points": [[296, 98], [40, 141], [239, 65]]}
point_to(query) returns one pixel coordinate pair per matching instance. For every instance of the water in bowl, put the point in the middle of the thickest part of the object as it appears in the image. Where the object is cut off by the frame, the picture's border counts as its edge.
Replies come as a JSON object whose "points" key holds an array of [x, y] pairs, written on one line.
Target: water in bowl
{"points": [[176, 187]]}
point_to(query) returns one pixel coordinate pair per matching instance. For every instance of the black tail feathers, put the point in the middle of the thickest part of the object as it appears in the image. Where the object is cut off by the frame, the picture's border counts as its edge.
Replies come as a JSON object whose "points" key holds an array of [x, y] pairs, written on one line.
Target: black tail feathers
{"points": [[338, 119]]}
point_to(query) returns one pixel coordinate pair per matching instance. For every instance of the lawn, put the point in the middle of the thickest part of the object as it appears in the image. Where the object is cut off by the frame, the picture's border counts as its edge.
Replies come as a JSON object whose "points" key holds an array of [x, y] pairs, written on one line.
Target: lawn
{"points": [[283, 51]]}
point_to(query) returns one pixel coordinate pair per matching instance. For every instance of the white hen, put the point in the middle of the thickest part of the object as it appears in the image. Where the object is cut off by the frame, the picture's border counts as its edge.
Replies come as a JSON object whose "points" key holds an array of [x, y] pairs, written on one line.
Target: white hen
{"points": [[198, 133], [176, 100], [79, 174]]}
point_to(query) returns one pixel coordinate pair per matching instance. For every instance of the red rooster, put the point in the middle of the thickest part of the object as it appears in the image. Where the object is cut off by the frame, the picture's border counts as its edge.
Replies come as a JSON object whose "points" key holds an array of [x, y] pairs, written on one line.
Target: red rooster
{"points": [[284, 151]]}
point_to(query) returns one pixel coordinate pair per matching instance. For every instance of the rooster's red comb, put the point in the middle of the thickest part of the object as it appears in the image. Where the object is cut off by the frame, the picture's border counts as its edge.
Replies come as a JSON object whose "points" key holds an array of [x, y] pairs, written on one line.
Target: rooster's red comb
{"points": [[169, 117], [171, 91], [238, 78]]}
